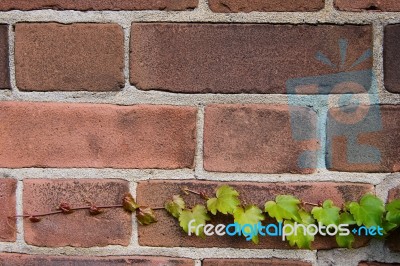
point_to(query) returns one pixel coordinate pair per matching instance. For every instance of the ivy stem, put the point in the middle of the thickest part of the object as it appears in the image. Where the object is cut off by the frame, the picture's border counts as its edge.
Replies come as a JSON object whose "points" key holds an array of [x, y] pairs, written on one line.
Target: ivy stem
{"points": [[158, 208], [60, 211], [201, 194], [311, 204]]}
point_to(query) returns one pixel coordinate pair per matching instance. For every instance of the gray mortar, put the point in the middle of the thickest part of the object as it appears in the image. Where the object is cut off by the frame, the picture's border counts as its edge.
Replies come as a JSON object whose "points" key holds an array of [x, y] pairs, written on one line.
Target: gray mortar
{"points": [[130, 95]]}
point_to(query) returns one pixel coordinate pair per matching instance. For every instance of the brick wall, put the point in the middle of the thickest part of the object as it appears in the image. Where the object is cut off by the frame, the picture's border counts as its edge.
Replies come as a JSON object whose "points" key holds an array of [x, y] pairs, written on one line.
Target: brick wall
{"points": [[100, 98]]}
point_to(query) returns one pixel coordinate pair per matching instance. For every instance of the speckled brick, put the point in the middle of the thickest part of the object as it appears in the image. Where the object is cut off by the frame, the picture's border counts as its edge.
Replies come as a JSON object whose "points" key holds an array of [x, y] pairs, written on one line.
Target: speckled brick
{"points": [[368, 5], [4, 70], [233, 6], [7, 203]]}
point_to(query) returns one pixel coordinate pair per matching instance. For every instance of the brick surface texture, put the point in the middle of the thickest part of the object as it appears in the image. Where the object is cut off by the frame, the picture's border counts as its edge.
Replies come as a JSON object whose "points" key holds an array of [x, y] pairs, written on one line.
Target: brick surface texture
{"points": [[255, 262], [392, 58], [12, 259], [4, 70], [7, 201], [166, 232], [89, 135], [226, 6], [248, 65], [98, 4], [393, 241], [52, 57], [368, 5]]}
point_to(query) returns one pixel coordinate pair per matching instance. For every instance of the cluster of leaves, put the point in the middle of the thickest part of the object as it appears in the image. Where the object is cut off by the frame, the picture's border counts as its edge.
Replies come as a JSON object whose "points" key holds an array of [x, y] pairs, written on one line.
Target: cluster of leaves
{"points": [[369, 211]]}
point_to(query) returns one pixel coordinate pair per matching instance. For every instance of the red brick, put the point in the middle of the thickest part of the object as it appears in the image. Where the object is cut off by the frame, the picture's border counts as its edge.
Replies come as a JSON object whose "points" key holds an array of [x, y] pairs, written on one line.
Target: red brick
{"points": [[372, 126], [391, 58], [13, 259], [369, 263], [97, 136], [373, 5], [7, 203], [4, 71], [83, 56], [393, 240], [238, 58], [79, 229], [98, 4], [254, 262], [257, 139], [227, 6], [167, 232]]}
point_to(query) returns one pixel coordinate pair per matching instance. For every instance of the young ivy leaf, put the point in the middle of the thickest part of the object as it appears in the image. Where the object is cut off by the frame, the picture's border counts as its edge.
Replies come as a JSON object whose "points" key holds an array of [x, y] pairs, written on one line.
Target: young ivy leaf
{"points": [[175, 206], [369, 211], [145, 215], [251, 215], [345, 241], [284, 207], [393, 212], [300, 238], [129, 204], [225, 202], [199, 215], [328, 214]]}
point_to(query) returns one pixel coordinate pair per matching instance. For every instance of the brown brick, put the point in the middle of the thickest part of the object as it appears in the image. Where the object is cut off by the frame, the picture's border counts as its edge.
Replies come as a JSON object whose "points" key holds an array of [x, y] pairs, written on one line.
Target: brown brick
{"points": [[98, 4], [56, 57], [258, 139], [79, 229], [254, 262], [228, 6], [372, 5], [99, 136], [369, 263], [7, 203], [167, 233], [391, 58], [239, 58], [4, 71], [364, 138], [393, 240], [13, 259]]}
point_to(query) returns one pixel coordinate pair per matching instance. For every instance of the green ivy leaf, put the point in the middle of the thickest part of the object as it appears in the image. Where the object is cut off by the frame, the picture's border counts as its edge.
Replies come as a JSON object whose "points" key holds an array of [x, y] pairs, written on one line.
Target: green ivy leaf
{"points": [[347, 218], [284, 207], [250, 215], [301, 238], [199, 215], [175, 206], [328, 214], [225, 202], [129, 204], [145, 215], [393, 212], [306, 218], [345, 241], [369, 211]]}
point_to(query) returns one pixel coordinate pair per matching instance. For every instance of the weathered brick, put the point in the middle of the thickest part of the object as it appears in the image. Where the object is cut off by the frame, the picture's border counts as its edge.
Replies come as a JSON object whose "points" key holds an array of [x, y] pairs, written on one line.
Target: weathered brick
{"points": [[4, 71], [82, 56], [239, 58], [79, 229], [259, 139], [391, 58], [98, 5], [372, 5], [393, 240], [364, 138], [7, 203], [227, 6], [98, 136], [255, 262], [13, 259], [167, 232], [370, 263]]}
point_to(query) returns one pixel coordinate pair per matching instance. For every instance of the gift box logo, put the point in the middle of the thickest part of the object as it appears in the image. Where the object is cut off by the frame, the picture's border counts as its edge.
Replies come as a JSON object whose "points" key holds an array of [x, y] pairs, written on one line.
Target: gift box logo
{"points": [[344, 90]]}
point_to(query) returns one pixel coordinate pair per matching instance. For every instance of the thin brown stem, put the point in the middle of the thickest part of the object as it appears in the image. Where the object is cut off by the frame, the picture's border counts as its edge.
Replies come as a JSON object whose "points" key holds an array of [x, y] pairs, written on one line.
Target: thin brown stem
{"points": [[311, 204]]}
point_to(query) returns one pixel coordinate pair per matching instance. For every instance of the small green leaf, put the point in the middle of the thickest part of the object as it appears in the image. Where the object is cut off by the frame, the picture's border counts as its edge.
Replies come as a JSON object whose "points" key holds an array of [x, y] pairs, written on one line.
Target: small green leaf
{"points": [[175, 206], [300, 238], [369, 211], [225, 202], [328, 214], [129, 204], [306, 218], [198, 215], [284, 207], [345, 241], [251, 215], [145, 215], [393, 212], [347, 218]]}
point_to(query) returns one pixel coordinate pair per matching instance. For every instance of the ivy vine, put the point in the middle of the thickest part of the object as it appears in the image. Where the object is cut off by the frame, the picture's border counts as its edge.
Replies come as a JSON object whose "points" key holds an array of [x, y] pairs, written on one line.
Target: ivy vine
{"points": [[369, 212]]}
